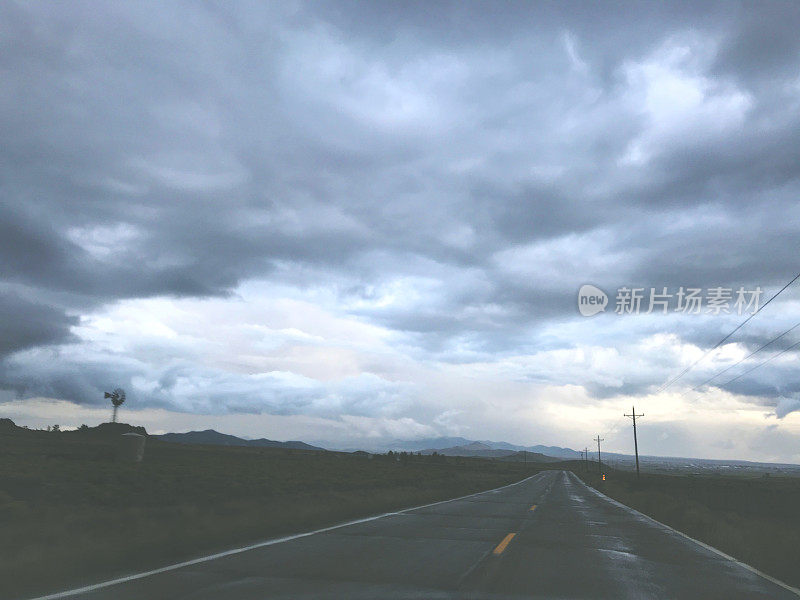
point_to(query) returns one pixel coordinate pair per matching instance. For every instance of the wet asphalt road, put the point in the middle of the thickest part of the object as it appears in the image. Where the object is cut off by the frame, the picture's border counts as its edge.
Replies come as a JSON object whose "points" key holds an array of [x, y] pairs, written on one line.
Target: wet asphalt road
{"points": [[568, 542]]}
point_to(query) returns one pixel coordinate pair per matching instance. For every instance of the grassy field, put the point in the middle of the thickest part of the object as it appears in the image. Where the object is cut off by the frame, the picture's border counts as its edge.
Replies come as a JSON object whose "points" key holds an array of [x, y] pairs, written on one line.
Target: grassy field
{"points": [[71, 514], [756, 520]]}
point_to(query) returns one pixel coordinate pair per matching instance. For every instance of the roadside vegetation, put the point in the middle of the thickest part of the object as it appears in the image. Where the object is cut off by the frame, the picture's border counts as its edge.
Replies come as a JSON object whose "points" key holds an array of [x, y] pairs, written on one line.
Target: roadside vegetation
{"points": [[753, 519], [72, 514]]}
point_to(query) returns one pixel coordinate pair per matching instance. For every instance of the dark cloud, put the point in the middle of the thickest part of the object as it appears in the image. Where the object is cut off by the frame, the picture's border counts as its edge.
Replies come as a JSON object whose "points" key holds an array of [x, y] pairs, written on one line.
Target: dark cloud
{"points": [[762, 44], [28, 324], [490, 158]]}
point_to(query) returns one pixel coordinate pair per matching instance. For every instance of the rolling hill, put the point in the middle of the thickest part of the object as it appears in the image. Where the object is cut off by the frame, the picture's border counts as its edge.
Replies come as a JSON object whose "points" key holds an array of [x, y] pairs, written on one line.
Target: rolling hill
{"points": [[215, 438], [482, 450]]}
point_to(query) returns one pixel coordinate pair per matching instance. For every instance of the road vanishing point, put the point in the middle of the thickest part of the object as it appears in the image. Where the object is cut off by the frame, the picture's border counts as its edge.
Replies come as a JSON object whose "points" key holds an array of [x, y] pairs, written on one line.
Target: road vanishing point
{"points": [[548, 536]]}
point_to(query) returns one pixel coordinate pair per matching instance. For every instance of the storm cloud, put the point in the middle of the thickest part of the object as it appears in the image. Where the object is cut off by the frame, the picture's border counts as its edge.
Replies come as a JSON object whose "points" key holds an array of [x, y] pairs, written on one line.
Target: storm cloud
{"points": [[334, 209]]}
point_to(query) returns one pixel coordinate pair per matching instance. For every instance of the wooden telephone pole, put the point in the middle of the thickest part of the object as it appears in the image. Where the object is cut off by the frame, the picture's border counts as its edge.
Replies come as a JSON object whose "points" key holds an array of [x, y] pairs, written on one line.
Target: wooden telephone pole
{"points": [[586, 458], [633, 415], [598, 439]]}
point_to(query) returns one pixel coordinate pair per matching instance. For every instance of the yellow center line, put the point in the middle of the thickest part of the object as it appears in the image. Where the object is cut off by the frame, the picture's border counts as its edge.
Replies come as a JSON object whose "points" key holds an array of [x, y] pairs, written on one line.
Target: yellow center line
{"points": [[502, 545], [533, 507]]}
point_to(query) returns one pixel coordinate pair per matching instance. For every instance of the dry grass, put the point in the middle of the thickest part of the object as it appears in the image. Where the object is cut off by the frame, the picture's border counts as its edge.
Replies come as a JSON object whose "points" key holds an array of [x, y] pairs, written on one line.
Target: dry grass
{"points": [[70, 514]]}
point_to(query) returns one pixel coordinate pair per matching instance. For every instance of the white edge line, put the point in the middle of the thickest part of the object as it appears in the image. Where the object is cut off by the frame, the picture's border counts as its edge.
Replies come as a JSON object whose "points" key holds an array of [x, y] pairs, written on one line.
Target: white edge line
{"points": [[271, 542], [770, 578]]}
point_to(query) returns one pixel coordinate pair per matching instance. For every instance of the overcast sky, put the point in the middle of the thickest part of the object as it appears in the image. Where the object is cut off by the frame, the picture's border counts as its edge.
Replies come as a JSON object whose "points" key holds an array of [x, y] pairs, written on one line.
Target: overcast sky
{"points": [[349, 222]]}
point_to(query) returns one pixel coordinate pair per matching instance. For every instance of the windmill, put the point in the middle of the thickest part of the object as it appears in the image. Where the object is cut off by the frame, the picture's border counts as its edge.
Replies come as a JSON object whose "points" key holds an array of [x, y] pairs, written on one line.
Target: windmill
{"points": [[117, 398]]}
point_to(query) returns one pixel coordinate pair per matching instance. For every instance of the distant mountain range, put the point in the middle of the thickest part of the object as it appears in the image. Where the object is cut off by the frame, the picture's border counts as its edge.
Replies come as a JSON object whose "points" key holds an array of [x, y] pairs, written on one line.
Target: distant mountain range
{"points": [[449, 446], [209, 436], [482, 450], [446, 443]]}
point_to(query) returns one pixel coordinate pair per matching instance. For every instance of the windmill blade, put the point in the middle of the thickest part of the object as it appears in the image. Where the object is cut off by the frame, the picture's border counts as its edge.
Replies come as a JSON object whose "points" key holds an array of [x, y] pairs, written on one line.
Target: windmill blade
{"points": [[117, 396]]}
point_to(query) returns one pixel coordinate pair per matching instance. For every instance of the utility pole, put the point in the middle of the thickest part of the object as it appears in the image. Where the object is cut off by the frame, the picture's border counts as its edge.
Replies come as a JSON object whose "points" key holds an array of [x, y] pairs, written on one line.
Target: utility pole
{"points": [[598, 439], [633, 415], [586, 457]]}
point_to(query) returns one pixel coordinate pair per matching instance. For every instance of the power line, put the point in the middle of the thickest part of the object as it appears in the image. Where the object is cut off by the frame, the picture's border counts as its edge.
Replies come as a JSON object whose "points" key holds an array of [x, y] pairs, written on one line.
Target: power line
{"points": [[763, 363], [614, 427], [753, 353], [722, 341]]}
